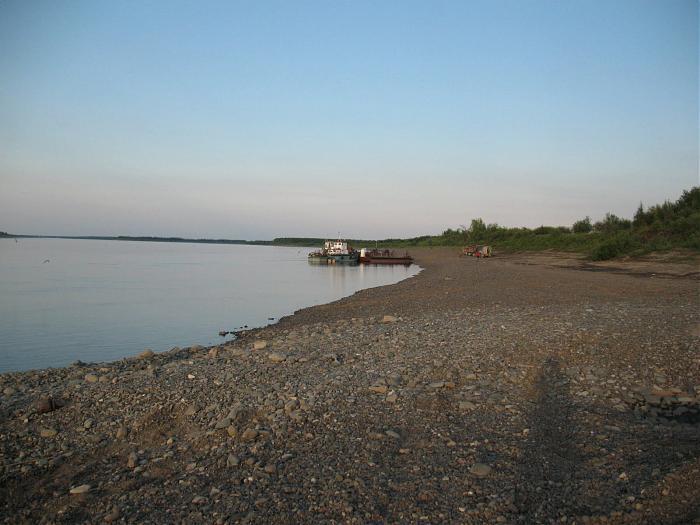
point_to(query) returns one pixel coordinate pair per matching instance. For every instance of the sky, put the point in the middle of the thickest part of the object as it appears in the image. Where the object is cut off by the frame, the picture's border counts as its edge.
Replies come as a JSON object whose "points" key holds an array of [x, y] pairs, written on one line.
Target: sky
{"points": [[263, 119]]}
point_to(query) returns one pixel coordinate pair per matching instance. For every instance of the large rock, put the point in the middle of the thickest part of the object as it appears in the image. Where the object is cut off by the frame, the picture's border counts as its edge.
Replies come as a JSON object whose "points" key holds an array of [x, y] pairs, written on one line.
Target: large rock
{"points": [[48, 432], [277, 357], [223, 423], [146, 354], [46, 404], [466, 405], [249, 434]]}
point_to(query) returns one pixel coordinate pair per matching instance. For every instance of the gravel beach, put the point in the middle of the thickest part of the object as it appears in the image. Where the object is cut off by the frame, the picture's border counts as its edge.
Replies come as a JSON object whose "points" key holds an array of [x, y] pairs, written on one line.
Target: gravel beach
{"points": [[506, 390]]}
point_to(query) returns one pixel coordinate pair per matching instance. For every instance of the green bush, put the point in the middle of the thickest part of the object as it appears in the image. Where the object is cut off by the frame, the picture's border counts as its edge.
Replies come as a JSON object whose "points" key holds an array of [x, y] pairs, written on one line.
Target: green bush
{"points": [[582, 226], [666, 226], [612, 223], [614, 246]]}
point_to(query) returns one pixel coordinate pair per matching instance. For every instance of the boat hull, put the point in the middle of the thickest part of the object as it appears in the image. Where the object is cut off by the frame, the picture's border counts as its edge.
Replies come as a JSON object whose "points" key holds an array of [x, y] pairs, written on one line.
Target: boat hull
{"points": [[351, 258], [387, 260]]}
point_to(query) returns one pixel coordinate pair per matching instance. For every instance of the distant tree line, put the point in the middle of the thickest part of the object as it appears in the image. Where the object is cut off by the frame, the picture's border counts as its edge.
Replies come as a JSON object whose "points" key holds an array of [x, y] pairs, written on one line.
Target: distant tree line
{"points": [[662, 227]]}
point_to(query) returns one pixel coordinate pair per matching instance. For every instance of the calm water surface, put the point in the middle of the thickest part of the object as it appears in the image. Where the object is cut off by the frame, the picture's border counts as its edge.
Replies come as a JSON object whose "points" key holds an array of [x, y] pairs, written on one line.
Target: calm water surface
{"points": [[104, 300]]}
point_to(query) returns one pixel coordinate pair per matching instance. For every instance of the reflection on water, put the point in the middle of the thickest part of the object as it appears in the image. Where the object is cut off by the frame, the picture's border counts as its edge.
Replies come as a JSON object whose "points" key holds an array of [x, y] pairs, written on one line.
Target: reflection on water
{"points": [[103, 300]]}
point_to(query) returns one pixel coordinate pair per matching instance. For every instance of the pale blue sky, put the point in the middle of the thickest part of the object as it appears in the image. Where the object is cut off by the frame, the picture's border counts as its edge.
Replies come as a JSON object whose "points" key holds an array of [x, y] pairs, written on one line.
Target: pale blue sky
{"points": [[375, 119]]}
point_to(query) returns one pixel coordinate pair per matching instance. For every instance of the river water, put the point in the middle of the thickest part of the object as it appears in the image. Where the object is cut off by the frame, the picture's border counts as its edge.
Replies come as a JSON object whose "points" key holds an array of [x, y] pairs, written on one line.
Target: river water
{"points": [[63, 300]]}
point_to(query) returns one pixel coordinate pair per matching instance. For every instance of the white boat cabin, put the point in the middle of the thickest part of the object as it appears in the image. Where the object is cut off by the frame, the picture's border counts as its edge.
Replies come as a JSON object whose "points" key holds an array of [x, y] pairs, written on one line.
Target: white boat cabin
{"points": [[336, 247]]}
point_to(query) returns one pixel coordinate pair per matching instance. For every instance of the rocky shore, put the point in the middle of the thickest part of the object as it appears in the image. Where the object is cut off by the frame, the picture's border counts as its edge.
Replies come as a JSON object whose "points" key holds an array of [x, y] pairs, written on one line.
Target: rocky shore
{"points": [[479, 391]]}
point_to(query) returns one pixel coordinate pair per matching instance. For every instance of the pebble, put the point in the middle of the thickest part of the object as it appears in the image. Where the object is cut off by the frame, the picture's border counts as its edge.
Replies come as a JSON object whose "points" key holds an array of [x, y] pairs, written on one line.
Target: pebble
{"points": [[389, 319], [48, 432], [121, 432], [480, 469], [81, 489], [259, 345], [91, 378], [249, 434], [276, 357], [146, 354], [113, 515]]}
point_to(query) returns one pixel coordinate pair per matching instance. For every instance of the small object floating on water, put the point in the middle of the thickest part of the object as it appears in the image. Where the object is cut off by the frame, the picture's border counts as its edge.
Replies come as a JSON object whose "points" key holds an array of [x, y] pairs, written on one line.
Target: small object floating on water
{"points": [[270, 318], [45, 261]]}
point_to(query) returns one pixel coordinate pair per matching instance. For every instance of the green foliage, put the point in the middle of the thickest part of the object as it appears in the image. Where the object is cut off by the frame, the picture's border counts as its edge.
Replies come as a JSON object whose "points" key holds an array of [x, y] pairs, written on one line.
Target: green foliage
{"points": [[620, 243], [582, 226], [666, 226], [611, 224], [544, 230]]}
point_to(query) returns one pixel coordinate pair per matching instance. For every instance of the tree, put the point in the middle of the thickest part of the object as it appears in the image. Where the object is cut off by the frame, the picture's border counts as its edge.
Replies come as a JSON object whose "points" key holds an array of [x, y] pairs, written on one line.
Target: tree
{"points": [[582, 226], [477, 230], [612, 223]]}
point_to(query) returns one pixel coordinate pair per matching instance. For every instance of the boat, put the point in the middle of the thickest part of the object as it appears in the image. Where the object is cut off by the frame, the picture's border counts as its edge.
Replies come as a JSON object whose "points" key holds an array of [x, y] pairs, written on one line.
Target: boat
{"points": [[376, 256], [340, 252], [318, 257], [334, 252]]}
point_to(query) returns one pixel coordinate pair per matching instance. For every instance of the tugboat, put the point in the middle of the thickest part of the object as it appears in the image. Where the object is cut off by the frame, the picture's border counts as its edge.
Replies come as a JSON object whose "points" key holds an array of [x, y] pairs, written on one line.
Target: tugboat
{"points": [[340, 252], [318, 257], [334, 252], [384, 257]]}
